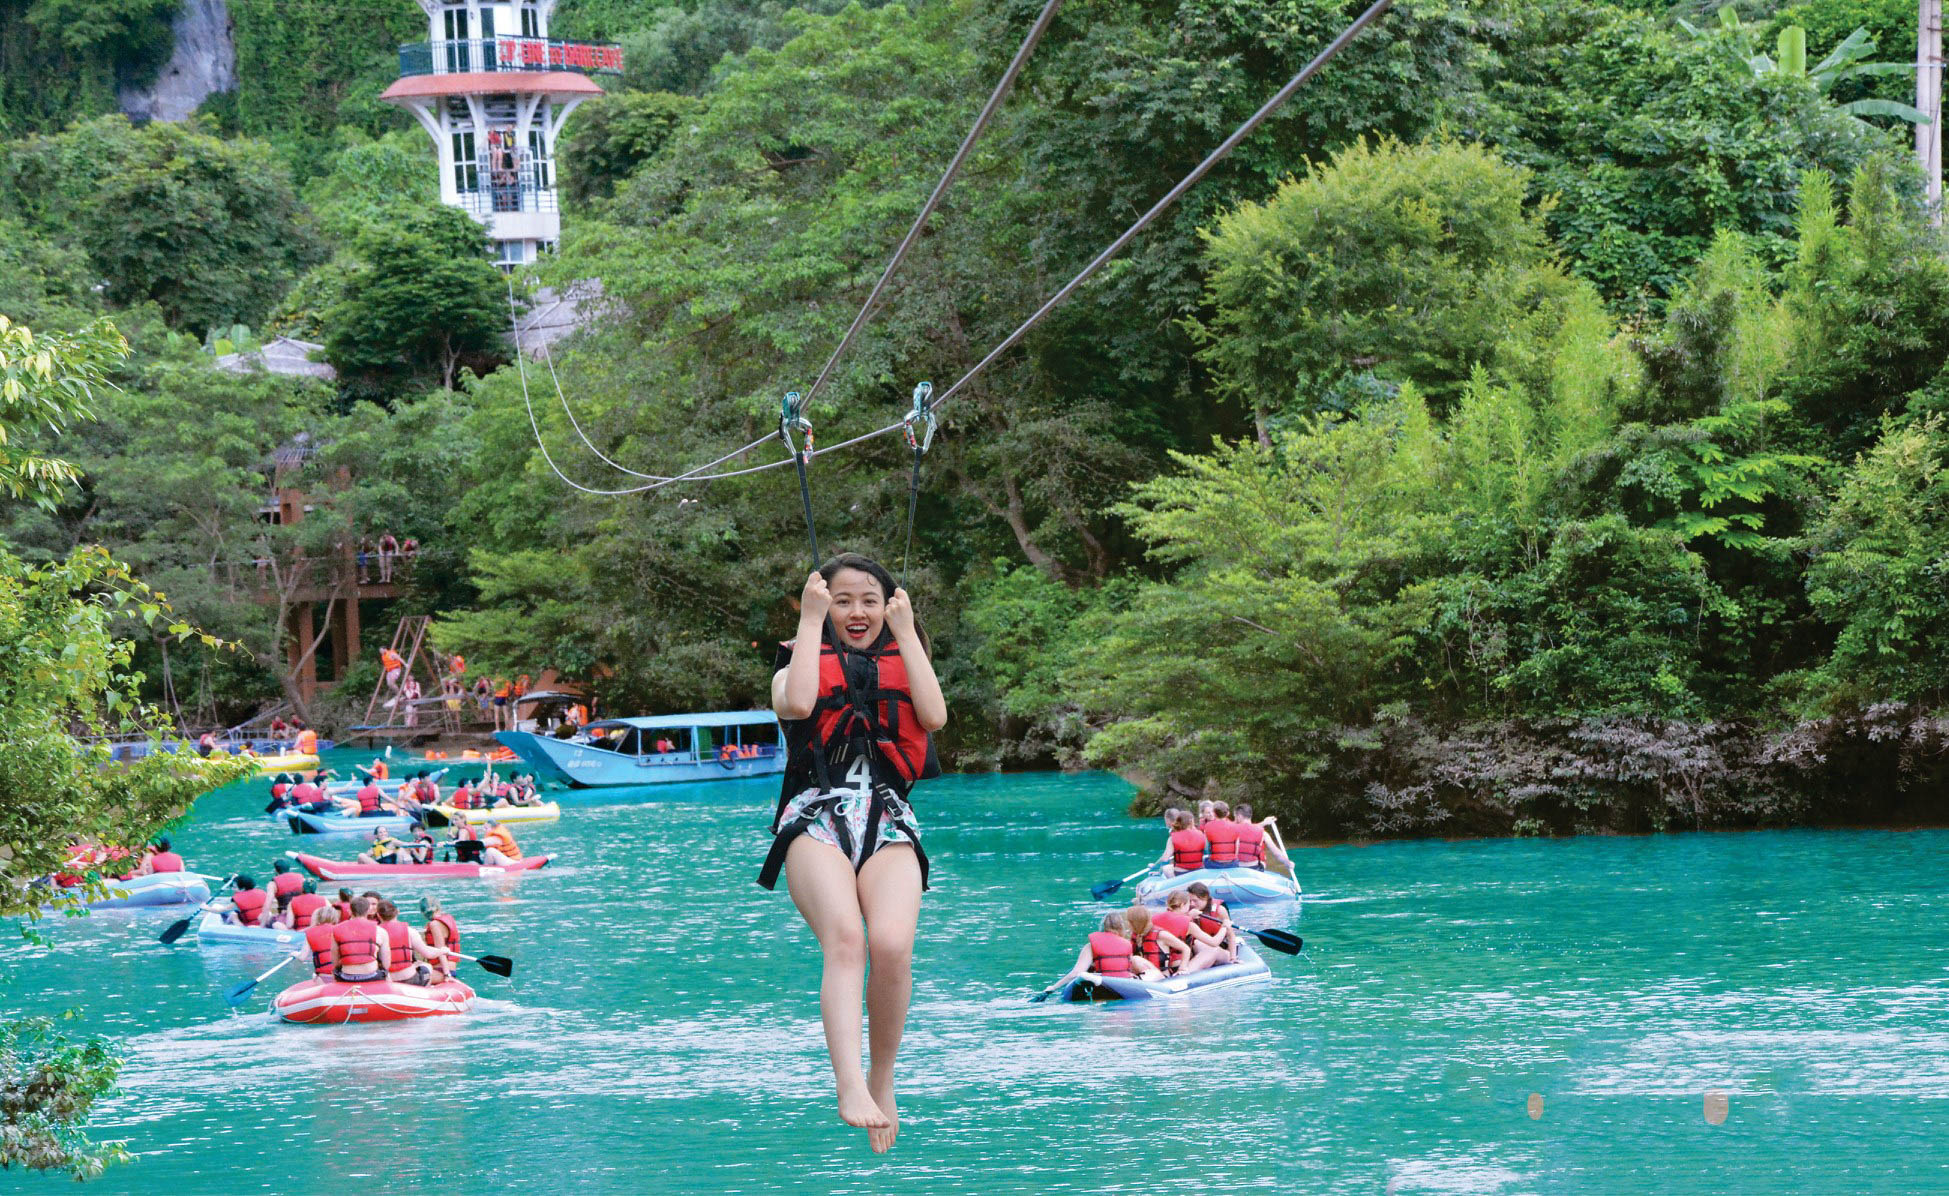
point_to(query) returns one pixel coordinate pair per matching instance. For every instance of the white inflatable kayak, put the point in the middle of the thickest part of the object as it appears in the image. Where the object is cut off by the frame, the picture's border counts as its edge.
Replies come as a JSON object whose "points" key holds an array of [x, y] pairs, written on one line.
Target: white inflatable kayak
{"points": [[1233, 886], [1249, 969], [214, 931]]}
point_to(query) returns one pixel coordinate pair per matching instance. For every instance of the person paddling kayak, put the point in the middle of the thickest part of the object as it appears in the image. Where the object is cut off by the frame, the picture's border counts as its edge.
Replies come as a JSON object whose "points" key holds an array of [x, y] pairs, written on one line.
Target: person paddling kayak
{"points": [[1185, 849], [249, 905], [859, 700], [442, 936]]}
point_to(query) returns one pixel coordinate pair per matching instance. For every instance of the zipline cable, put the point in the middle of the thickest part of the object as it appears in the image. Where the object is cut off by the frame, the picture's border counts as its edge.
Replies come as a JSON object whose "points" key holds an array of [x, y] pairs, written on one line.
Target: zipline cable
{"points": [[995, 98], [1211, 160], [548, 355], [1185, 184]]}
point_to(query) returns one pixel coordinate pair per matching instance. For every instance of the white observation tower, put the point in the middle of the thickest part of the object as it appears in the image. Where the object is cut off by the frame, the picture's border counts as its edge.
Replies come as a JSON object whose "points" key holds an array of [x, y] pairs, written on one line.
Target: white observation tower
{"points": [[494, 91]]}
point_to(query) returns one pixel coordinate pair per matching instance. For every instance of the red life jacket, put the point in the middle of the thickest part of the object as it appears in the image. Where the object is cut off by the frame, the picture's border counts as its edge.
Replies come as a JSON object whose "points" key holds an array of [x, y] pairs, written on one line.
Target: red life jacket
{"points": [[1222, 834], [286, 883], [1210, 922], [881, 712], [400, 945], [358, 944], [319, 938], [304, 907], [369, 798], [1172, 922], [467, 832], [250, 903], [453, 931], [280, 789], [1152, 949], [1110, 954], [1187, 850], [344, 911], [165, 861], [1251, 844]]}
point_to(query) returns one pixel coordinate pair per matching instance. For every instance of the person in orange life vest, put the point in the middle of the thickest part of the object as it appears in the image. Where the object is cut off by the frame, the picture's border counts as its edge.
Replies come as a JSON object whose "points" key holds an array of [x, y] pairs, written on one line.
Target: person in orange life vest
{"points": [[1175, 918], [441, 936], [307, 742], [285, 882], [1164, 950], [384, 849], [319, 942], [405, 948], [362, 947], [1254, 846], [378, 770], [303, 908], [1212, 917], [860, 700], [1184, 849], [502, 711], [393, 665], [501, 850], [457, 665], [1221, 833], [249, 905], [161, 859], [1111, 953]]}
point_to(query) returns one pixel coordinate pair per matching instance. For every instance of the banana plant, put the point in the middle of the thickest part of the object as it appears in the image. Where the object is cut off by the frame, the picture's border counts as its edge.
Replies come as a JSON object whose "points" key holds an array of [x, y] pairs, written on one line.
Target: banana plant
{"points": [[1845, 62]]}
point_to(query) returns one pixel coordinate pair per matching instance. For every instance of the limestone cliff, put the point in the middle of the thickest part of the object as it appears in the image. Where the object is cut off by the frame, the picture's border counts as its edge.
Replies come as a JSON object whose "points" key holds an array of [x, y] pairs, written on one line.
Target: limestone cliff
{"points": [[203, 63]]}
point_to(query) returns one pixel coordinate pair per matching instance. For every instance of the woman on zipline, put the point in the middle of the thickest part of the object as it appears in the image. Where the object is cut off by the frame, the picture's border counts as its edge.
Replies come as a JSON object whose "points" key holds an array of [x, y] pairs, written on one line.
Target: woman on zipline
{"points": [[859, 699]]}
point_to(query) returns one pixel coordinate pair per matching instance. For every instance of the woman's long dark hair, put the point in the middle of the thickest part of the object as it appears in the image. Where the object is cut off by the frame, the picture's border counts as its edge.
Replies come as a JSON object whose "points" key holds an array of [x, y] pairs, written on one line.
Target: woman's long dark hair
{"points": [[878, 572]]}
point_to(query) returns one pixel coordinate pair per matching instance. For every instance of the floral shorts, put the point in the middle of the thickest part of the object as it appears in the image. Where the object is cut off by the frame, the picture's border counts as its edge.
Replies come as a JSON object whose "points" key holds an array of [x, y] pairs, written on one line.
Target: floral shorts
{"points": [[838, 819]]}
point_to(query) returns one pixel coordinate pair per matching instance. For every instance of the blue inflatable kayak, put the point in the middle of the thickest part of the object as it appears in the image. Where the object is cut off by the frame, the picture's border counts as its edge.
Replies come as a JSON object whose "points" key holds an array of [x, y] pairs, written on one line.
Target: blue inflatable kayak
{"points": [[1233, 886], [214, 931], [1249, 969], [158, 888], [337, 824]]}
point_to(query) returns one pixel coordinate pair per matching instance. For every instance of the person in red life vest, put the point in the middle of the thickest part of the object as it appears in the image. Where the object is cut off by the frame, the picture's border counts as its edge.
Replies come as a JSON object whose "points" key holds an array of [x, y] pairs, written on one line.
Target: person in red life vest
{"points": [[1184, 850], [303, 908], [249, 905], [362, 947], [1221, 834], [1254, 847], [1175, 919], [1111, 953], [420, 850], [368, 802], [468, 848], [161, 859], [278, 727], [344, 904], [405, 948], [306, 795], [320, 944], [1164, 950], [441, 936], [280, 785], [859, 700], [284, 881], [1212, 917]]}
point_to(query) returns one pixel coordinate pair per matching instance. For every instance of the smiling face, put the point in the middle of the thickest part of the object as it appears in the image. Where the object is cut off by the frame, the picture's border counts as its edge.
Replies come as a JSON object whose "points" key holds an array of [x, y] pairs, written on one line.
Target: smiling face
{"points": [[859, 608]]}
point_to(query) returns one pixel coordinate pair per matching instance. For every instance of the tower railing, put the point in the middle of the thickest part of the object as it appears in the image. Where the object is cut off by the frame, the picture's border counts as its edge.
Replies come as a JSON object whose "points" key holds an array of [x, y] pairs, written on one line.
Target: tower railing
{"points": [[462, 57]]}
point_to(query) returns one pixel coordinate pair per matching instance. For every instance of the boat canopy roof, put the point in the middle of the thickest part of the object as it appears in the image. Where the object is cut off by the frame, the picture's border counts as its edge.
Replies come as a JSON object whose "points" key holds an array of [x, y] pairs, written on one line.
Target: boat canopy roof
{"points": [[670, 722]]}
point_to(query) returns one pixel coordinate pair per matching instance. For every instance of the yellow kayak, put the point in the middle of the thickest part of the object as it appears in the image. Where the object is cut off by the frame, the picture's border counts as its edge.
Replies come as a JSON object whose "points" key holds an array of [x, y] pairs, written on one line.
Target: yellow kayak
{"points": [[289, 762], [443, 815]]}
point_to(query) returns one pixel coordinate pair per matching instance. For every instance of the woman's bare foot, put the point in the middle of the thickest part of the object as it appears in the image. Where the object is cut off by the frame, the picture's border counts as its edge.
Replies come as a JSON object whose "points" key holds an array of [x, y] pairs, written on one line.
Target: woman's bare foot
{"points": [[858, 1108], [882, 1139]]}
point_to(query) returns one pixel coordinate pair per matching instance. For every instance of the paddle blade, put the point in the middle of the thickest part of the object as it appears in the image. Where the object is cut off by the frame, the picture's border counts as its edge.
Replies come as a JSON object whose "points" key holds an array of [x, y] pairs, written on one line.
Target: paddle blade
{"points": [[1280, 940], [500, 965], [1042, 996], [174, 931], [1105, 889], [237, 994]]}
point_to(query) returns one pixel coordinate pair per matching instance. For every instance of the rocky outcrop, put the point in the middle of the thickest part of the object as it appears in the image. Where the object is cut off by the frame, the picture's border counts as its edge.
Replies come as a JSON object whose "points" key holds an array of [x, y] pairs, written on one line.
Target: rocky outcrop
{"points": [[203, 63]]}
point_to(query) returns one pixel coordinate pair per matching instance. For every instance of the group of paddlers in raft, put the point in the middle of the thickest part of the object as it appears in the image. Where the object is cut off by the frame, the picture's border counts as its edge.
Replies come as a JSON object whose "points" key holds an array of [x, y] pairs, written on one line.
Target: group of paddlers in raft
{"points": [[353, 937], [1194, 929]]}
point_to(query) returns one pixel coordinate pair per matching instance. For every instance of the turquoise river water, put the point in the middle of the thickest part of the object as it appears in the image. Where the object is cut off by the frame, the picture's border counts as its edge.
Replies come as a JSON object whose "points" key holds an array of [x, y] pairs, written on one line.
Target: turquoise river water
{"points": [[1499, 1016]]}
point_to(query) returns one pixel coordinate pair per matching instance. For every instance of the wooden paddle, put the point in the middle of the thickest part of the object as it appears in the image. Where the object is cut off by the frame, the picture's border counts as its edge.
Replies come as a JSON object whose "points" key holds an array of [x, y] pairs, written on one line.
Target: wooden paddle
{"points": [[1108, 887], [236, 995], [180, 927]]}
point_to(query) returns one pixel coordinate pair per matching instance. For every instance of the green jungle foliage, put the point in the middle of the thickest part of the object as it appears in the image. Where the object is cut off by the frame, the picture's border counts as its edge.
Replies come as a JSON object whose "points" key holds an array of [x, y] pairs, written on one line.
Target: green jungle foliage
{"points": [[1528, 400]]}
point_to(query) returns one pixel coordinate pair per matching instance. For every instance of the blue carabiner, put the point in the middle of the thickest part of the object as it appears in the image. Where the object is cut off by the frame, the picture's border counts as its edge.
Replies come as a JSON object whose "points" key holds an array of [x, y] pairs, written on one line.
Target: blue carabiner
{"points": [[791, 418], [921, 414]]}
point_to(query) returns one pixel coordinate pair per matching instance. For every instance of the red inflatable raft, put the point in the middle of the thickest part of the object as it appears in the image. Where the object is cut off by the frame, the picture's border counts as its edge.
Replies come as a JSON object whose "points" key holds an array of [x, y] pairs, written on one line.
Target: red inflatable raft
{"points": [[334, 1002], [336, 870]]}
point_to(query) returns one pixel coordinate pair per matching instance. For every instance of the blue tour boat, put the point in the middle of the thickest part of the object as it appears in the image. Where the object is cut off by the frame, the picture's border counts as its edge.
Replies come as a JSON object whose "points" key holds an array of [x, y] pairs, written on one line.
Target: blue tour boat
{"points": [[653, 751]]}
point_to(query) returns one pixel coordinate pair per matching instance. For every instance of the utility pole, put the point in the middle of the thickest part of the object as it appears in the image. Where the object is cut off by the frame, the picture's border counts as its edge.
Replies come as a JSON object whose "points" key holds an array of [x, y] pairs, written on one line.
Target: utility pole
{"points": [[1928, 98]]}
